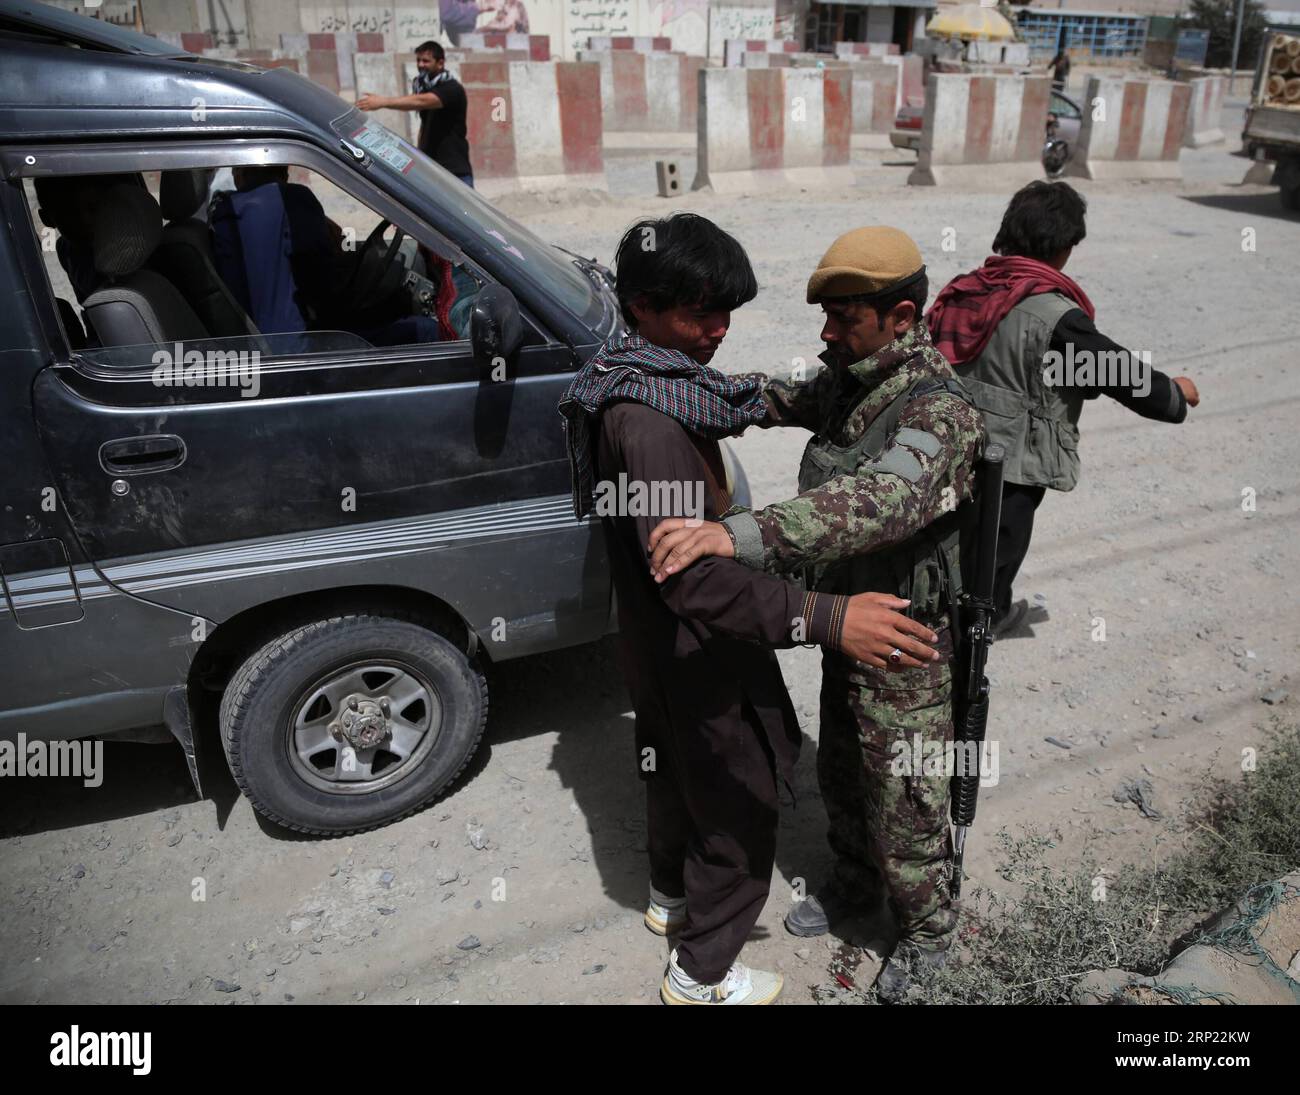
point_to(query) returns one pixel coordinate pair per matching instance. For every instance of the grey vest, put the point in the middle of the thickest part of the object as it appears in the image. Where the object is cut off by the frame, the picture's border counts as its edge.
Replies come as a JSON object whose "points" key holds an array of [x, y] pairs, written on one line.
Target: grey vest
{"points": [[1035, 423], [925, 568]]}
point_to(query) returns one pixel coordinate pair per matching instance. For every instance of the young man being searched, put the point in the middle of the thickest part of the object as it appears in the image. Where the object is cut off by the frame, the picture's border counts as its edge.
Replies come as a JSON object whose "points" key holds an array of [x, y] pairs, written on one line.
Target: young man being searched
{"points": [[440, 99], [715, 729], [893, 457]]}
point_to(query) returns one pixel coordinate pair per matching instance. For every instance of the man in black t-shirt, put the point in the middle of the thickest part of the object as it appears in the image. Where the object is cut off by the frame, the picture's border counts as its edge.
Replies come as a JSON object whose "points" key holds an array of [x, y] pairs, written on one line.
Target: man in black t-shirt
{"points": [[440, 99]]}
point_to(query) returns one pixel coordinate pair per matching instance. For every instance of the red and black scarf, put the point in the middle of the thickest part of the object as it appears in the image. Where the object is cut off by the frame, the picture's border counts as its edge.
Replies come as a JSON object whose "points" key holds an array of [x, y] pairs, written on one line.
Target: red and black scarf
{"points": [[965, 314]]}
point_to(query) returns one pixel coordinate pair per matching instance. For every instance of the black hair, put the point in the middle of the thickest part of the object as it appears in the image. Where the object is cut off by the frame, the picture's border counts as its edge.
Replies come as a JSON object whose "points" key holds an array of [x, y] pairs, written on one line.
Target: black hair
{"points": [[439, 54], [1042, 220], [684, 259]]}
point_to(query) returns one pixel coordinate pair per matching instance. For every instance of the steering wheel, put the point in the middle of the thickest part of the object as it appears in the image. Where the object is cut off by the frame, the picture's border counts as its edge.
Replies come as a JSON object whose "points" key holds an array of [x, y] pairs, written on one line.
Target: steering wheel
{"points": [[378, 272]]}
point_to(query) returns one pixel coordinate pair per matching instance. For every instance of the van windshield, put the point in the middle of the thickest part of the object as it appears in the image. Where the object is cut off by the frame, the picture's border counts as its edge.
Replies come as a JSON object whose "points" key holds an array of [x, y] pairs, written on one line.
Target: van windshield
{"points": [[540, 262]]}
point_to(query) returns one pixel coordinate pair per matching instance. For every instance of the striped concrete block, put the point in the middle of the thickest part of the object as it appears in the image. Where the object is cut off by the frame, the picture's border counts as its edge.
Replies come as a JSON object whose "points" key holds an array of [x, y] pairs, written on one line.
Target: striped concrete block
{"points": [[652, 92], [383, 74], [640, 44], [849, 51], [982, 129], [537, 45], [1132, 129], [875, 97], [732, 48], [1203, 112], [911, 78], [342, 45], [534, 125], [790, 59], [763, 128]]}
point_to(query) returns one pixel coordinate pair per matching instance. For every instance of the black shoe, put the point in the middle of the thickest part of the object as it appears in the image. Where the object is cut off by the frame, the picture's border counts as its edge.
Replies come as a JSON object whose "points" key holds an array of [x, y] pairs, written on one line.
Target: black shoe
{"points": [[1012, 621], [815, 914], [895, 980]]}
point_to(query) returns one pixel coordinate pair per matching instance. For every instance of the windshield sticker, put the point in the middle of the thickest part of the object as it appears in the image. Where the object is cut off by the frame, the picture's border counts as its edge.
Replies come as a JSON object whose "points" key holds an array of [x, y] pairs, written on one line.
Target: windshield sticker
{"points": [[509, 248], [383, 145]]}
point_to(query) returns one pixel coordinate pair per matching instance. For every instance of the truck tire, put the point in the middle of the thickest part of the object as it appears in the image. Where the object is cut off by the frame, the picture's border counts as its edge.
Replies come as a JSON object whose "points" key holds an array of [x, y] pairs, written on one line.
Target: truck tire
{"points": [[352, 722]]}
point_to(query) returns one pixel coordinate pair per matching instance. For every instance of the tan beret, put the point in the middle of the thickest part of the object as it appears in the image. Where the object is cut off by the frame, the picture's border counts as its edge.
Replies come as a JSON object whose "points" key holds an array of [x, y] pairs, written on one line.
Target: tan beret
{"points": [[865, 260]]}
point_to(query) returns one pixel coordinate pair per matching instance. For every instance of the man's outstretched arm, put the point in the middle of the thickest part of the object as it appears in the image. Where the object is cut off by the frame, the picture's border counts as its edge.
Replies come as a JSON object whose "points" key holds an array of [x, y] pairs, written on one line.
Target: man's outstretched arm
{"points": [[425, 100], [924, 472], [1165, 398], [751, 605]]}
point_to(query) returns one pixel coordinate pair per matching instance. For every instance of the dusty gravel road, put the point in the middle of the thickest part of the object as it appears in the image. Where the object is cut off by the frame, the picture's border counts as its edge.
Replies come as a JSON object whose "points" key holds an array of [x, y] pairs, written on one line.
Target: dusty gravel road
{"points": [[1197, 594]]}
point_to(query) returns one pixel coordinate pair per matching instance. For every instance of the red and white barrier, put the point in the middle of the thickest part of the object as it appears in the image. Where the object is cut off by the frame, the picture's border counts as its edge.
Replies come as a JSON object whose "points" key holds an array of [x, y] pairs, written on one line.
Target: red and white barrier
{"points": [[850, 51], [654, 92], [1132, 129], [1204, 110], [342, 45], [911, 79], [534, 125], [982, 129], [537, 45], [732, 48], [773, 127], [875, 97], [640, 44]]}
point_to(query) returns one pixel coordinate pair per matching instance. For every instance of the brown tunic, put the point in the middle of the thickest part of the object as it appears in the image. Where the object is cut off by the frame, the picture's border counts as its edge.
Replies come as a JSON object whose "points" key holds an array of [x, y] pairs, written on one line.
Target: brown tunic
{"points": [[714, 724]]}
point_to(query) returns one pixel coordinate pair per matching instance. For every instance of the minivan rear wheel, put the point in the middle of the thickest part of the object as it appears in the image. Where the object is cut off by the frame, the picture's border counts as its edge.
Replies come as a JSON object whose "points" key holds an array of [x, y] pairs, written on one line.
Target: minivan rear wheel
{"points": [[352, 722]]}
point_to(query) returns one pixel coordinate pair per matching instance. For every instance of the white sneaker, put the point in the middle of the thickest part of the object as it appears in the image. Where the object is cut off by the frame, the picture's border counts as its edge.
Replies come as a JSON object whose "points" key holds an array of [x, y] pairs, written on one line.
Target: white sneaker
{"points": [[665, 915], [741, 986]]}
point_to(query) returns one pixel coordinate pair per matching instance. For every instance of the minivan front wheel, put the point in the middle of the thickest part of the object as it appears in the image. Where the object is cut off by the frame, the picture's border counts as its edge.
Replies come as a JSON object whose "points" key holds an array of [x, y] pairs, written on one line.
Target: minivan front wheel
{"points": [[352, 722]]}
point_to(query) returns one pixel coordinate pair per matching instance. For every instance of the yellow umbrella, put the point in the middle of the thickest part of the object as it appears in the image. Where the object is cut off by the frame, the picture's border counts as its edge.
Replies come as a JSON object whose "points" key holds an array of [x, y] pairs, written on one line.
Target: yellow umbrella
{"points": [[971, 21]]}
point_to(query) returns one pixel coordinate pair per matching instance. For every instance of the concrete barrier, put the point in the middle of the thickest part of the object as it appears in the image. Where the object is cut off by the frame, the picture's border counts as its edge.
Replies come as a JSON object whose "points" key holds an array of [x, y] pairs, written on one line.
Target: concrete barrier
{"points": [[875, 97], [1204, 110], [982, 128], [640, 44], [1132, 129], [1015, 54], [911, 78], [851, 51], [534, 125], [732, 48], [537, 45], [654, 91], [384, 74], [763, 128], [342, 45]]}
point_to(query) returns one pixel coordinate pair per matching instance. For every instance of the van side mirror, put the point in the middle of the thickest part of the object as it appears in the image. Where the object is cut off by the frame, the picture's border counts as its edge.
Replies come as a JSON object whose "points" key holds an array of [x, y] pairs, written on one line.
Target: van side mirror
{"points": [[495, 329]]}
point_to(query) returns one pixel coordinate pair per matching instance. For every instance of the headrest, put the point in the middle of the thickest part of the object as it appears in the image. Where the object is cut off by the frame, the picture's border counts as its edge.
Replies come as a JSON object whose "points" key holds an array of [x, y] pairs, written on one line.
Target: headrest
{"points": [[182, 193], [125, 229]]}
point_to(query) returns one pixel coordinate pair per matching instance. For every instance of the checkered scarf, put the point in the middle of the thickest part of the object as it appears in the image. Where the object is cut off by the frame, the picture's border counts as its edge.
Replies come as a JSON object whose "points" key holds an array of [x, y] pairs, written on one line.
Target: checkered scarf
{"points": [[424, 83], [628, 369]]}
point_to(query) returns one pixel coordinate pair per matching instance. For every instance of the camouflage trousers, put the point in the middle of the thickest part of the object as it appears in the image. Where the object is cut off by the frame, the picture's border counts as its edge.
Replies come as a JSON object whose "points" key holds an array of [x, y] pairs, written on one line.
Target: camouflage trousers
{"points": [[889, 823]]}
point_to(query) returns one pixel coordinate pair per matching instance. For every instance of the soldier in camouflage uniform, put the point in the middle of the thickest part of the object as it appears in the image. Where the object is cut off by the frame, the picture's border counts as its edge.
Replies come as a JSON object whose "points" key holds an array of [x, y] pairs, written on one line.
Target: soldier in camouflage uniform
{"points": [[896, 440]]}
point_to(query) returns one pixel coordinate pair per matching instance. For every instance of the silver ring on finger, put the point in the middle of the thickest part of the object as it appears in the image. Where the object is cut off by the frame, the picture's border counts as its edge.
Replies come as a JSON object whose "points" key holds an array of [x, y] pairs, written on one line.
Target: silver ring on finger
{"points": [[895, 656]]}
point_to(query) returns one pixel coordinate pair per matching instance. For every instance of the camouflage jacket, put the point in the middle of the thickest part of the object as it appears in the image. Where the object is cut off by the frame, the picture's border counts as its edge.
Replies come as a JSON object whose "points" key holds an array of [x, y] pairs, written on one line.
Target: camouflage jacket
{"points": [[850, 515]]}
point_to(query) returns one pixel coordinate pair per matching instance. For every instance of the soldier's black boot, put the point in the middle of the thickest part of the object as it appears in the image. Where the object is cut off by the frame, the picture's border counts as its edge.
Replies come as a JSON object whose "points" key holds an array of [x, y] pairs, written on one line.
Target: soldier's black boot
{"points": [[895, 980], [815, 914]]}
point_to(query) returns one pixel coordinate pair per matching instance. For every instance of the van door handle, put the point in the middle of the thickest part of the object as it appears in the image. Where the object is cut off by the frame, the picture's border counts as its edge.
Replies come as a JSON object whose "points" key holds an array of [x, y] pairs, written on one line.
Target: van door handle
{"points": [[138, 455]]}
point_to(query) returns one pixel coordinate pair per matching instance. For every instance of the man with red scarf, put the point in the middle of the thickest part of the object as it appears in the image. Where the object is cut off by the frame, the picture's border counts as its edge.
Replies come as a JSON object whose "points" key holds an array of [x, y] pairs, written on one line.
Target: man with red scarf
{"points": [[1021, 335]]}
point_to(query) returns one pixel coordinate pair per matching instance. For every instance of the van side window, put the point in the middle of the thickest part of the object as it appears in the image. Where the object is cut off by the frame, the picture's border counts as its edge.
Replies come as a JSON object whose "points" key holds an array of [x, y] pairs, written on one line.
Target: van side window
{"points": [[271, 258]]}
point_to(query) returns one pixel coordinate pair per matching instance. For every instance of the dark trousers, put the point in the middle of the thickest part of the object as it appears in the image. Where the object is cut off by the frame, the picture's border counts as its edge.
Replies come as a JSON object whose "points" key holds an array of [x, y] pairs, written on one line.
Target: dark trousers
{"points": [[711, 818], [1014, 530]]}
